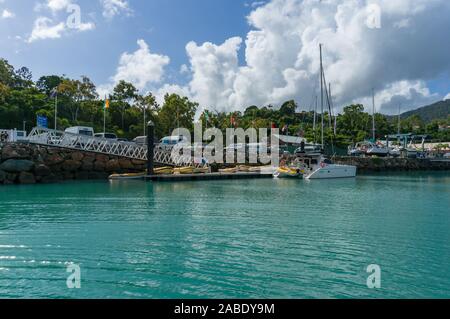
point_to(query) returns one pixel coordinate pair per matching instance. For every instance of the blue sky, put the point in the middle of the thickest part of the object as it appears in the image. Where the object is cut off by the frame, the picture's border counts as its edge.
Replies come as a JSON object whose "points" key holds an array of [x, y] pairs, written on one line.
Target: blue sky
{"points": [[166, 25], [239, 53]]}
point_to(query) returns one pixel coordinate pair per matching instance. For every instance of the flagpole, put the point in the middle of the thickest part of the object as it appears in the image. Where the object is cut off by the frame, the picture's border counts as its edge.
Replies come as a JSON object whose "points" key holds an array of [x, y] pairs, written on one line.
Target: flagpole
{"points": [[145, 120], [104, 117], [56, 111]]}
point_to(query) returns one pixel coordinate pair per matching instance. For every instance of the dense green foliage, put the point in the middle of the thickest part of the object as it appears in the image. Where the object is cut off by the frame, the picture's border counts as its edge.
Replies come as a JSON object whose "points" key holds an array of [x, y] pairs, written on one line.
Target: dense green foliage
{"points": [[79, 104]]}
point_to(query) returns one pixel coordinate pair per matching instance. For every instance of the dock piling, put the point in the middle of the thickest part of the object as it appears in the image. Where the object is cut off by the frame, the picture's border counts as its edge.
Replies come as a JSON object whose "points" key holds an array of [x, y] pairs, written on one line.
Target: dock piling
{"points": [[150, 147]]}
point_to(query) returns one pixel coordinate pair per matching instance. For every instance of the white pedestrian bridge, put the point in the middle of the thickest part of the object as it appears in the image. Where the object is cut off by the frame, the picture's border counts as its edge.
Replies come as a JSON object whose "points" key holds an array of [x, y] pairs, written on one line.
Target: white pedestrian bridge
{"points": [[131, 150]]}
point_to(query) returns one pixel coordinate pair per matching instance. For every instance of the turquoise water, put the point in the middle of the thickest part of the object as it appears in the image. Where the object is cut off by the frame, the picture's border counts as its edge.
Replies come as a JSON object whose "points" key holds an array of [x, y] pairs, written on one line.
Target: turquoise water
{"points": [[228, 239]]}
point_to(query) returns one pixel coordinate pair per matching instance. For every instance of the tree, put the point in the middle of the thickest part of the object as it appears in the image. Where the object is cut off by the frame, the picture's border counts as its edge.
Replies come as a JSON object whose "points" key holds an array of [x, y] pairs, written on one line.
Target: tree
{"points": [[70, 95], [148, 105], [353, 122], [176, 112], [7, 75], [48, 83], [124, 94], [288, 108], [23, 78], [4, 92]]}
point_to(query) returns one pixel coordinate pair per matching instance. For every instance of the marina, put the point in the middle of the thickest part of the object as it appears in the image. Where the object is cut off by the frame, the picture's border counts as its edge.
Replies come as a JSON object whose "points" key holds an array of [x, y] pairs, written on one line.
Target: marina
{"points": [[224, 158], [251, 238]]}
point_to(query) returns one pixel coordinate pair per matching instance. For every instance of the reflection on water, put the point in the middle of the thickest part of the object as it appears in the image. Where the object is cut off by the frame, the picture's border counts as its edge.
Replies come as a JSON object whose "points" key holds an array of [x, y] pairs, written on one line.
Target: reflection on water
{"points": [[228, 239]]}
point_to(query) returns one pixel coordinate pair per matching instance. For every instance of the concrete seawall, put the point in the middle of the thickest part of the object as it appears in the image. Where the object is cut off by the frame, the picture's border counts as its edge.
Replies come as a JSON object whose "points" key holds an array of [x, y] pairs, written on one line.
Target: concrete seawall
{"points": [[369, 164], [22, 163]]}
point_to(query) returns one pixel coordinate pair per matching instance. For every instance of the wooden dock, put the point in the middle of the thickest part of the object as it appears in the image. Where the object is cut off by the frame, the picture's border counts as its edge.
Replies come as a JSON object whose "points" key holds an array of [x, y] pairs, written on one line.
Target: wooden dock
{"points": [[206, 177]]}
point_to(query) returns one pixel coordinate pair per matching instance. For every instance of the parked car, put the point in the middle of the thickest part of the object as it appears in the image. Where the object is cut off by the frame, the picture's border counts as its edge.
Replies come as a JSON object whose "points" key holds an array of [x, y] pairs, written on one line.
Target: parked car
{"points": [[80, 130], [169, 142], [108, 136], [140, 140]]}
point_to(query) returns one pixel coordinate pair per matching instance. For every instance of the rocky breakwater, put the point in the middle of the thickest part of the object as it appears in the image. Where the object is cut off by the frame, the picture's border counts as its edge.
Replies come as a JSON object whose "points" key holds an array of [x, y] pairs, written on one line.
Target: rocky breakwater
{"points": [[29, 164], [370, 164]]}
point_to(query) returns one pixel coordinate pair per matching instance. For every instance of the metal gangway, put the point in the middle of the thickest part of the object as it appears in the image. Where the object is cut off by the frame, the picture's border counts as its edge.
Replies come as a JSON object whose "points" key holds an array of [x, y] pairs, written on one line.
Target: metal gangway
{"points": [[130, 150]]}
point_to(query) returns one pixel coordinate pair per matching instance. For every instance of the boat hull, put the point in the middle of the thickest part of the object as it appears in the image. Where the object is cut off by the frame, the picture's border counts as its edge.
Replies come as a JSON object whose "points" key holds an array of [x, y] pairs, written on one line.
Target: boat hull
{"points": [[333, 171]]}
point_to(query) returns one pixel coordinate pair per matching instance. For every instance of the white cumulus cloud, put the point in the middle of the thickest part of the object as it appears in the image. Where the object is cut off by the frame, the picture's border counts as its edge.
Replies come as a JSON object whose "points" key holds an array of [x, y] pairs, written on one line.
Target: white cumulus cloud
{"points": [[282, 54], [44, 29], [6, 14], [58, 5], [112, 8], [142, 68]]}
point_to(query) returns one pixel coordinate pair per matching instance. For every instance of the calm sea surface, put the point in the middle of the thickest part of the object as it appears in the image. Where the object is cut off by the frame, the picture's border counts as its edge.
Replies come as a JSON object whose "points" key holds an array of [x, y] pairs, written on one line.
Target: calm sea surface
{"points": [[228, 239]]}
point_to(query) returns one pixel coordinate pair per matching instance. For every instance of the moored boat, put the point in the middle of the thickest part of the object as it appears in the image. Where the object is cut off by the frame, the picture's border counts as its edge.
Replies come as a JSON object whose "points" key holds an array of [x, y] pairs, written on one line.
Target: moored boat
{"points": [[287, 172], [322, 168], [231, 170], [164, 171], [184, 170], [201, 170], [127, 176]]}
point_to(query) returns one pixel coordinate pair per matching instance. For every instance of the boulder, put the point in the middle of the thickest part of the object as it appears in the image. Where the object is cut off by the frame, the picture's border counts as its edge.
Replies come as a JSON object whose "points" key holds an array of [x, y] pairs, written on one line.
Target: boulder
{"points": [[88, 158], [55, 159], [17, 166], [43, 151], [112, 165], [126, 164], [42, 170], [13, 151], [27, 178], [71, 165], [2, 176], [77, 156], [102, 158], [99, 166], [87, 166]]}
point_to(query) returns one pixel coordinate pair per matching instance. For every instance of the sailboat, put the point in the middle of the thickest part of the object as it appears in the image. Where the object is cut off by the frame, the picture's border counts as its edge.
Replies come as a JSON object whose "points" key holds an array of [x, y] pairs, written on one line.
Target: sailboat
{"points": [[375, 148], [317, 165]]}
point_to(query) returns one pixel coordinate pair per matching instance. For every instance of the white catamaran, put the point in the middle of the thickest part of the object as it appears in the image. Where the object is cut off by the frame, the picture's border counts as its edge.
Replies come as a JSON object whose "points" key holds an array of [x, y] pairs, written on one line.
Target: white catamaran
{"points": [[317, 166]]}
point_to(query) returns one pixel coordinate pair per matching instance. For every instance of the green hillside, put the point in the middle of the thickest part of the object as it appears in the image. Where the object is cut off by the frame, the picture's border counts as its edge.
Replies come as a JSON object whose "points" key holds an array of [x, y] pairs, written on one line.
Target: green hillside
{"points": [[429, 113]]}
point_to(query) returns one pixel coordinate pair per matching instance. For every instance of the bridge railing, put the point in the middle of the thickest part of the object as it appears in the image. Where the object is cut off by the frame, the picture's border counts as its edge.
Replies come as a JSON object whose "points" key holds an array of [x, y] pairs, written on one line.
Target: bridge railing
{"points": [[131, 150]]}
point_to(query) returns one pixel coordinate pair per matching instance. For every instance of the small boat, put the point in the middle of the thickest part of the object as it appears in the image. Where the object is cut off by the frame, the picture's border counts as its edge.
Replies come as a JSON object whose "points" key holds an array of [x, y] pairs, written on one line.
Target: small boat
{"points": [[127, 176], [201, 170], [244, 168], [184, 170], [229, 170], [256, 169], [164, 171], [287, 172], [322, 168], [377, 149]]}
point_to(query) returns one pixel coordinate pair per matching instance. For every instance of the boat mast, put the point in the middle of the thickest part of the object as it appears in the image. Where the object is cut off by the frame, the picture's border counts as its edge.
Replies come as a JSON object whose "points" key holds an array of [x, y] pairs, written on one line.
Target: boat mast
{"points": [[321, 93], [334, 116], [315, 120], [373, 116], [399, 119]]}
